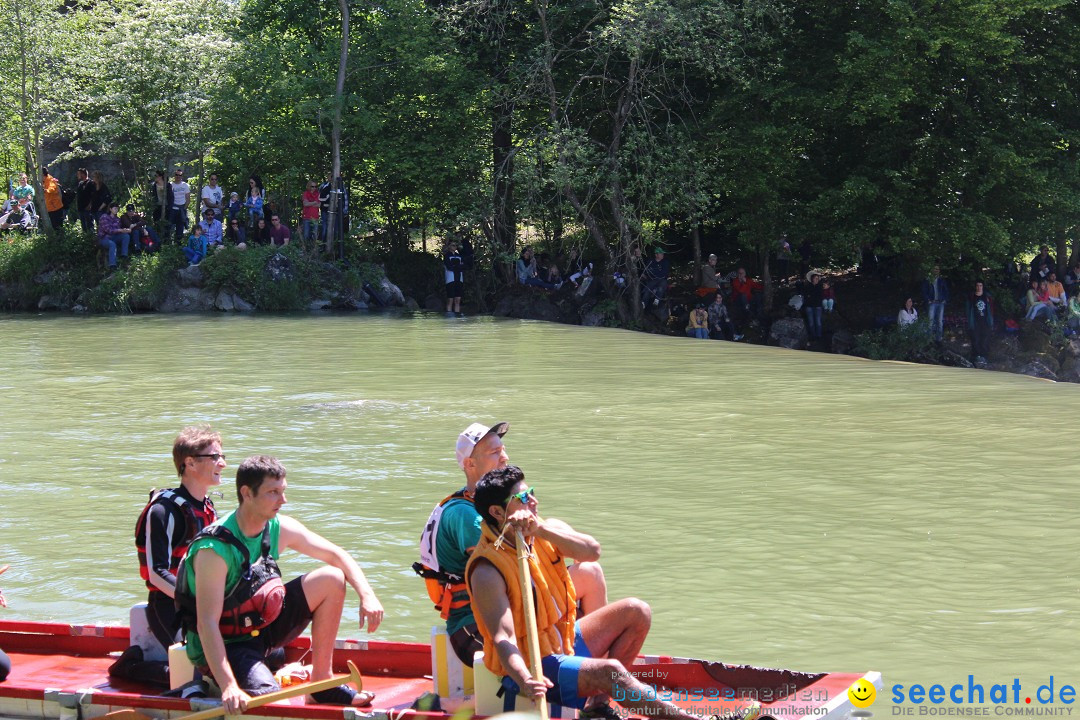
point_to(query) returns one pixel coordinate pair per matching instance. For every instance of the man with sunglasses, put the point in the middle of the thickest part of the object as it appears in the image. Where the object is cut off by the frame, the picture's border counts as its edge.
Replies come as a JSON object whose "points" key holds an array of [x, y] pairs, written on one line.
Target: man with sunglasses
{"points": [[165, 528], [453, 530], [584, 661]]}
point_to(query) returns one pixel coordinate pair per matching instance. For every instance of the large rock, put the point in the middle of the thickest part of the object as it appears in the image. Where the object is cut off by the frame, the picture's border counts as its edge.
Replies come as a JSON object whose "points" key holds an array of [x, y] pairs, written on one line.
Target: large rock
{"points": [[434, 303], [1034, 337], [842, 342], [788, 333], [411, 304], [389, 293], [1039, 369], [527, 304], [241, 305], [190, 276], [322, 304], [187, 299], [47, 302], [224, 300], [1073, 348], [1070, 370]]}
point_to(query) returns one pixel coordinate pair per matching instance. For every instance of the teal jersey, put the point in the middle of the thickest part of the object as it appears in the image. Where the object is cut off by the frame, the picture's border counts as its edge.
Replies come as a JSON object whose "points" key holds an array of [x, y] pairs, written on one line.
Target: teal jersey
{"points": [[459, 532]]}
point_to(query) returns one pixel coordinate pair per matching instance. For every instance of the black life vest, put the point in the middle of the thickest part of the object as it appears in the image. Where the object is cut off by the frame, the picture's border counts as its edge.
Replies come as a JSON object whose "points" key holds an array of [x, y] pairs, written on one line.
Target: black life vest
{"points": [[193, 519], [252, 604]]}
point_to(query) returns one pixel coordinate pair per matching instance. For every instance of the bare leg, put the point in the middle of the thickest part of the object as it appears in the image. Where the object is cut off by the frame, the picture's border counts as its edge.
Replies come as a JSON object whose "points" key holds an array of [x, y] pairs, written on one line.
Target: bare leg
{"points": [[325, 592], [591, 586]]}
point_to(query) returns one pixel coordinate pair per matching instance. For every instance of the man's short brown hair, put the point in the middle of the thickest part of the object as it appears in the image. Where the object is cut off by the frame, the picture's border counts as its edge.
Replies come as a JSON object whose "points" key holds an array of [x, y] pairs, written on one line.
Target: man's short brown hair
{"points": [[192, 440], [254, 470]]}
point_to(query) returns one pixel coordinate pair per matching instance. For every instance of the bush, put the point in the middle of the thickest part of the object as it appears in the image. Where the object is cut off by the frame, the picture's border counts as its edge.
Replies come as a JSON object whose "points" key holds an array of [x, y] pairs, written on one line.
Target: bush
{"points": [[912, 343], [270, 278]]}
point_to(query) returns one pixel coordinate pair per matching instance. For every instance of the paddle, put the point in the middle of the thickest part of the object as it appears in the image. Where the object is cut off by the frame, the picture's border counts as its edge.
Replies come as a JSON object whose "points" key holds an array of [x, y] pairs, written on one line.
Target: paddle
{"points": [[531, 632], [258, 700], [4, 569]]}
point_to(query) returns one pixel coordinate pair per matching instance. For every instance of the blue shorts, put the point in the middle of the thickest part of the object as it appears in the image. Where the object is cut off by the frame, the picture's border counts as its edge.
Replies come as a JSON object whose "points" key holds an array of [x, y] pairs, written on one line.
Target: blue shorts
{"points": [[560, 669]]}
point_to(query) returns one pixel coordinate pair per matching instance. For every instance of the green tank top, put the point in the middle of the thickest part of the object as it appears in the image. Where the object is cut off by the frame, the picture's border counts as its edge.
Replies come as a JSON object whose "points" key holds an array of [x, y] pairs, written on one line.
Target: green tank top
{"points": [[234, 564]]}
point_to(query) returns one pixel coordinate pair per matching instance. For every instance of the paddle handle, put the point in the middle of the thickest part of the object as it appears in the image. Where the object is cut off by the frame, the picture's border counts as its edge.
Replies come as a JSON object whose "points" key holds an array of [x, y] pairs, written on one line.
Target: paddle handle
{"points": [[4, 569], [291, 691], [531, 633]]}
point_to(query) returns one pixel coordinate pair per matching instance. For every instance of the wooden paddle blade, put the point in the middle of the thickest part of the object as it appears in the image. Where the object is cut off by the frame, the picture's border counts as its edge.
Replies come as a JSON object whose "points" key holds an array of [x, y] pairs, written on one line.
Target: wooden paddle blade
{"points": [[4, 569], [126, 714], [354, 676]]}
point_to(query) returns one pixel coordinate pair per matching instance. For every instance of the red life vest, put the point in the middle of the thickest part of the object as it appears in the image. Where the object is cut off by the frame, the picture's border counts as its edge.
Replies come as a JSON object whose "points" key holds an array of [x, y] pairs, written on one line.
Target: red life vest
{"points": [[194, 519], [252, 604]]}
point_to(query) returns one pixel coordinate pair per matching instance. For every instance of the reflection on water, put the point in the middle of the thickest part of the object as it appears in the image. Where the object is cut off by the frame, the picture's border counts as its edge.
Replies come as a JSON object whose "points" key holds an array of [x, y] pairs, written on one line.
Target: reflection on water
{"points": [[777, 508]]}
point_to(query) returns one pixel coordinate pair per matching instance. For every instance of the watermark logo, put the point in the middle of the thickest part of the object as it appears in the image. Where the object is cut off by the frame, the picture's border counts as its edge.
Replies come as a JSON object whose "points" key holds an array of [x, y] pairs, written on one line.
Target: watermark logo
{"points": [[862, 693]]}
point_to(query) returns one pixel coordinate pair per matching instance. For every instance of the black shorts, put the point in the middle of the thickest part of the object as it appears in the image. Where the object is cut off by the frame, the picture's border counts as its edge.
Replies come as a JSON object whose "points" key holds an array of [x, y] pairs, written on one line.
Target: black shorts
{"points": [[247, 658], [466, 642], [453, 289]]}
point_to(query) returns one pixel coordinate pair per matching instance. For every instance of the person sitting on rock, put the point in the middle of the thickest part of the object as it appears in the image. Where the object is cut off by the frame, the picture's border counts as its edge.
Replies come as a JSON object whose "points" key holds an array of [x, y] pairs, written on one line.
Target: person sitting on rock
{"points": [[746, 294], [1043, 263], [828, 295], [1056, 292], [698, 326], [720, 323], [1074, 312], [527, 272], [18, 217], [908, 315], [707, 280], [1036, 303], [196, 246], [654, 280]]}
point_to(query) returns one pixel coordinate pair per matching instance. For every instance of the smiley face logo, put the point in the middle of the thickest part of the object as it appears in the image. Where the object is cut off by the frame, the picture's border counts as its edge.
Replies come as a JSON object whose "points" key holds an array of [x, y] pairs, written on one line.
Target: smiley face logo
{"points": [[862, 693]]}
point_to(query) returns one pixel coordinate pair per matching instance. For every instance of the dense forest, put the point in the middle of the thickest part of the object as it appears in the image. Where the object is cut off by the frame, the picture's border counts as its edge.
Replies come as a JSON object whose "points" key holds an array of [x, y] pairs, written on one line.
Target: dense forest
{"points": [[926, 130]]}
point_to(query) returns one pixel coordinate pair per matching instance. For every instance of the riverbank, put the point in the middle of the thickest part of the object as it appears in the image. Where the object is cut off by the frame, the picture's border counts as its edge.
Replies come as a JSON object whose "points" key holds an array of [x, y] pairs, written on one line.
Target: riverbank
{"points": [[38, 273]]}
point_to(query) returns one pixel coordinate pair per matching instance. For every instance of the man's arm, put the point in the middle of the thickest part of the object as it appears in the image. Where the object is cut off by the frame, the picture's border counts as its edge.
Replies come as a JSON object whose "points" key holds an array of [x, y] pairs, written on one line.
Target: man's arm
{"points": [[210, 574], [571, 543], [159, 545], [490, 601], [297, 537]]}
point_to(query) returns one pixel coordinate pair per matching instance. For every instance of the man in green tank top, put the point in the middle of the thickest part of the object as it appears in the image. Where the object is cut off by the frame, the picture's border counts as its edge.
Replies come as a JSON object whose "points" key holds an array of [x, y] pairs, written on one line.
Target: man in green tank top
{"points": [[225, 640]]}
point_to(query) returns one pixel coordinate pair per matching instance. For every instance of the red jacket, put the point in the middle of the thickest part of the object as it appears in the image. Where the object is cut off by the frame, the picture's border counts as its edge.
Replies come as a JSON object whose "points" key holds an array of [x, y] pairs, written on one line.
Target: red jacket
{"points": [[745, 287]]}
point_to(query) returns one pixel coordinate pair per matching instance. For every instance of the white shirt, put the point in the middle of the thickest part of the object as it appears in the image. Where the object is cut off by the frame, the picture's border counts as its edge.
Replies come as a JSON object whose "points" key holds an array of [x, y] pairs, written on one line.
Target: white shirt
{"points": [[214, 195], [181, 192], [907, 318]]}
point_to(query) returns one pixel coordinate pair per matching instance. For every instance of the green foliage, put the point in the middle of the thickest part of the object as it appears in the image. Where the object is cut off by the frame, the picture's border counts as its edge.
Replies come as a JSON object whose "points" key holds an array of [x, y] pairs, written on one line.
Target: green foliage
{"points": [[148, 276], [911, 343], [249, 273]]}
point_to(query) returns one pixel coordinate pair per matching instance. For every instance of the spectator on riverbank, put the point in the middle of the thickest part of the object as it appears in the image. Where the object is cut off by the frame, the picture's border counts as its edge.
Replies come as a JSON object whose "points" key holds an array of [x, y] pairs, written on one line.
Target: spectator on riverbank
{"points": [[980, 322], [133, 222], [23, 189], [18, 217], [181, 191], [1072, 280], [235, 234], [54, 200], [1074, 312], [102, 196], [161, 197], [936, 293], [707, 278], [1043, 263], [196, 246], [279, 232], [908, 314], [698, 326], [745, 293], [828, 295], [212, 197], [84, 199], [1037, 302], [720, 323], [812, 299], [1056, 292], [235, 206], [254, 200], [147, 240], [260, 234], [654, 280], [527, 273], [454, 271], [211, 228], [111, 235], [309, 223]]}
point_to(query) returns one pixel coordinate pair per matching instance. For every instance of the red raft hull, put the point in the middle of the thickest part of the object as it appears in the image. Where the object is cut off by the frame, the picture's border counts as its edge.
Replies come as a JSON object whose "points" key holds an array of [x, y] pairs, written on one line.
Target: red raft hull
{"points": [[60, 672]]}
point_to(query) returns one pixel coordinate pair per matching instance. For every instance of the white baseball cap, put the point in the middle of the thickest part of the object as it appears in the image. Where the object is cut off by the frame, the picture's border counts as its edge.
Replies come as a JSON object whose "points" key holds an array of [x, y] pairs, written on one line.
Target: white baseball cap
{"points": [[473, 434]]}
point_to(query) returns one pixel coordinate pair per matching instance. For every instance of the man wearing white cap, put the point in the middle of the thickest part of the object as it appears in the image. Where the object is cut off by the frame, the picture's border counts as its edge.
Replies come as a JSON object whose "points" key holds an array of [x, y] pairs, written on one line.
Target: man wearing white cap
{"points": [[453, 530]]}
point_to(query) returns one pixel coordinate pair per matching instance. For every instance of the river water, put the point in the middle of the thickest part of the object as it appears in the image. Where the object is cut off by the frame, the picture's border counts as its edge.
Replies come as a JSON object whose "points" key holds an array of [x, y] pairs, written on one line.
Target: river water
{"points": [[786, 509]]}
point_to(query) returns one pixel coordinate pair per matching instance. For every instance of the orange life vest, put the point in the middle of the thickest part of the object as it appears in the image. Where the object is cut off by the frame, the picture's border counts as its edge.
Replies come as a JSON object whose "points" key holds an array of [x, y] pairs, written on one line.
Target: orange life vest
{"points": [[553, 593], [445, 589]]}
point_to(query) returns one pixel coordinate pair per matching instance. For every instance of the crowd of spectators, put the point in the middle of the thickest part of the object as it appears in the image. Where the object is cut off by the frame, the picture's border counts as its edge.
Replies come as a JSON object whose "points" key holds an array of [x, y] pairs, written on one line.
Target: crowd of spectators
{"points": [[220, 219]]}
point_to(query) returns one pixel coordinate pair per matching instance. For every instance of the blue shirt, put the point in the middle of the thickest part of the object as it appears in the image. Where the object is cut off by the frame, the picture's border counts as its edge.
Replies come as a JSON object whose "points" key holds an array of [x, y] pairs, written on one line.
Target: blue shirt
{"points": [[211, 231]]}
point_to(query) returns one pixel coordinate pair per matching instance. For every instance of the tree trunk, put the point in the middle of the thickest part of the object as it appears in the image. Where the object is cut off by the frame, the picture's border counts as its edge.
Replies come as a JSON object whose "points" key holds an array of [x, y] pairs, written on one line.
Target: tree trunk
{"points": [[1062, 252], [332, 219], [766, 280], [505, 224]]}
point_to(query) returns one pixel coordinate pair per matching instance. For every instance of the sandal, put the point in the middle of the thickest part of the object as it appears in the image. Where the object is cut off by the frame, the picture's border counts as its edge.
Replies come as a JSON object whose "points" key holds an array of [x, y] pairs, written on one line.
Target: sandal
{"points": [[342, 695]]}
